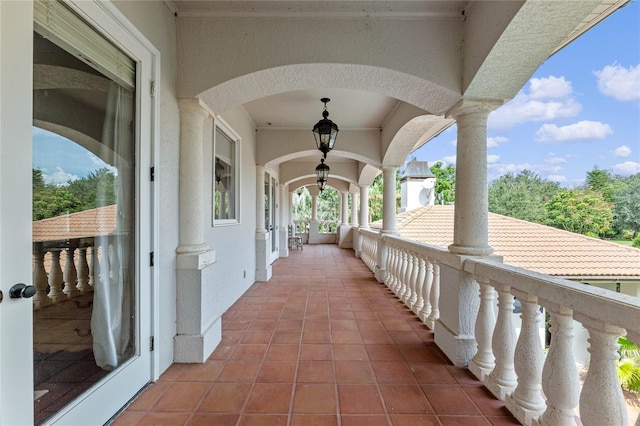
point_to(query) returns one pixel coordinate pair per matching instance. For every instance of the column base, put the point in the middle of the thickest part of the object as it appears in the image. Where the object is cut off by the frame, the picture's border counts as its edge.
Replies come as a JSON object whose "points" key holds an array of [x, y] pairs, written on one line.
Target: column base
{"points": [[263, 264], [196, 348], [499, 390], [459, 349], [526, 416], [479, 371], [470, 250], [380, 274]]}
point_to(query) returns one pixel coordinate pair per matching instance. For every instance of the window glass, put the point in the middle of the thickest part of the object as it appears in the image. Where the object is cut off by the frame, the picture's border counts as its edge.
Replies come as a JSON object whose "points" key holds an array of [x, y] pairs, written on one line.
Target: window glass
{"points": [[225, 177]]}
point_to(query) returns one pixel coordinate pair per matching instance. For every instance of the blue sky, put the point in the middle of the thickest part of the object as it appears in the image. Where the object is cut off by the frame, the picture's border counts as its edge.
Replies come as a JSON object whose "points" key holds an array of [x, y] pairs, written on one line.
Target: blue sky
{"points": [[580, 109]]}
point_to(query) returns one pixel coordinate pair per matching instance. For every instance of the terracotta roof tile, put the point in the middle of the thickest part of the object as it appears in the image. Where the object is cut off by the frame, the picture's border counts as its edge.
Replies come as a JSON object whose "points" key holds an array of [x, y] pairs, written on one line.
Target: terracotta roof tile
{"points": [[528, 245], [88, 223]]}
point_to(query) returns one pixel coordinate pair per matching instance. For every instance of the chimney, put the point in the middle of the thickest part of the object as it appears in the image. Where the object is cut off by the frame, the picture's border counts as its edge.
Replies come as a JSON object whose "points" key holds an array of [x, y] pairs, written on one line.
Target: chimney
{"points": [[417, 186]]}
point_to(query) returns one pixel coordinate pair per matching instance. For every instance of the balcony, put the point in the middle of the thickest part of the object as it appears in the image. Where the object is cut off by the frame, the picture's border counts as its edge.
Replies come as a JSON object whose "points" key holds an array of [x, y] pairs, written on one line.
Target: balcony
{"points": [[332, 345]]}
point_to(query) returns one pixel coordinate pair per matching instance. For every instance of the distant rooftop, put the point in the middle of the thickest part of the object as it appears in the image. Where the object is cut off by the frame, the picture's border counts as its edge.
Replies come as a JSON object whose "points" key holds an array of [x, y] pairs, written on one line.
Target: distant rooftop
{"points": [[528, 245], [88, 223]]}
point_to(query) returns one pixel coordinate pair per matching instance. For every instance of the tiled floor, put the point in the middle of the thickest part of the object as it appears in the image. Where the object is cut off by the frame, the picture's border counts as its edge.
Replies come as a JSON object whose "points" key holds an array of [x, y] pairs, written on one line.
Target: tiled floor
{"points": [[321, 343]]}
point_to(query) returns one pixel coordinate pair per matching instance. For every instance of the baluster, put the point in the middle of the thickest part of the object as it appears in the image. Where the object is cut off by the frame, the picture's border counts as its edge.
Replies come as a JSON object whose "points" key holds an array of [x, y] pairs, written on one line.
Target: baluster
{"points": [[404, 273], [55, 278], [402, 266], [416, 307], [415, 271], [560, 382], [388, 279], [394, 268], [40, 282], [408, 294], [70, 275], [94, 276], [526, 402], [483, 361], [427, 284], [83, 270], [502, 379], [434, 298], [601, 400]]}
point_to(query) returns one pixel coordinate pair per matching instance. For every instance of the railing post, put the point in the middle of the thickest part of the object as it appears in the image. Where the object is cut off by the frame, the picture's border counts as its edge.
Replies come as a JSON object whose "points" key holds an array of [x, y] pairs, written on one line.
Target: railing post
{"points": [[560, 382], [55, 278], [483, 361], [434, 298], [502, 379], [526, 402], [601, 400], [40, 299], [427, 287]]}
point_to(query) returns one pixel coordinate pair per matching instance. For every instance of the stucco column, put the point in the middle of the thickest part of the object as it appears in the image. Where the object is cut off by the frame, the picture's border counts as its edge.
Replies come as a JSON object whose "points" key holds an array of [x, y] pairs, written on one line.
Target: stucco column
{"points": [[314, 207], [471, 220], [263, 248], [191, 207], [283, 230], [364, 206], [345, 208], [389, 200], [260, 225], [292, 194], [354, 209]]}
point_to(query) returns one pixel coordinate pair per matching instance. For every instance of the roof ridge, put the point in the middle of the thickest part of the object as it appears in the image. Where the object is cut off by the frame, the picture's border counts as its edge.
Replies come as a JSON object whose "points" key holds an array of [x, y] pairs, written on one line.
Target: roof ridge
{"points": [[75, 213]]}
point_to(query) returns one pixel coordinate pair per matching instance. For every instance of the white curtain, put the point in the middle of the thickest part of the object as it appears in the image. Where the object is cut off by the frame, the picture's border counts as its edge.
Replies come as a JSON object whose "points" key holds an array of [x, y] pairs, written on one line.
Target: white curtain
{"points": [[112, 318]]}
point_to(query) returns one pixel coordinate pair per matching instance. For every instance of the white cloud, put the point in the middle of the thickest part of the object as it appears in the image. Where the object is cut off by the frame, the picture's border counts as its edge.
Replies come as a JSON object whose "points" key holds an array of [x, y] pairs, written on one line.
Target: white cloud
{"points": [[622, 151], [552, 158], [449, 159], [492, 158], [549, 87], [557, 178], [101, 164], [627, 168], [493, 142], [58, 177], [454, 142], [546, 99], [619, 82], [550, 133]]}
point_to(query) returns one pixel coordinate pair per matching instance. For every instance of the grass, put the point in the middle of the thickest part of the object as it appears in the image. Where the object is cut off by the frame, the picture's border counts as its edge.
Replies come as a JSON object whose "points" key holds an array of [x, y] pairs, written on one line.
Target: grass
{"points": [[623, 242]]}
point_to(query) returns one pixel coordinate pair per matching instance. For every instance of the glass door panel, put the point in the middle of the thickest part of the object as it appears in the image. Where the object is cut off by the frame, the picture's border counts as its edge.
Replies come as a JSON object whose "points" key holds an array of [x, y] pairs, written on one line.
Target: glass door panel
{"points": [[84, 228]]}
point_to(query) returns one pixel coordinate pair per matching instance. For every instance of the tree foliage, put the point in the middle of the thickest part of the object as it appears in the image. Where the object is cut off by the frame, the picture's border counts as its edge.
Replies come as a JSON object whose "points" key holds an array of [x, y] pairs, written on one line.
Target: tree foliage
{"points": [[522, 196], [626, 210], [96, 190], [445, 188], [581, 211]]}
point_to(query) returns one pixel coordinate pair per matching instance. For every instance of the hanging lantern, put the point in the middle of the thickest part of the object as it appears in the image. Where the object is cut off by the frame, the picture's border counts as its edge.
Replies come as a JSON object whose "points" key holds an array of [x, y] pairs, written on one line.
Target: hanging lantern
{"points": [[325, 131]]}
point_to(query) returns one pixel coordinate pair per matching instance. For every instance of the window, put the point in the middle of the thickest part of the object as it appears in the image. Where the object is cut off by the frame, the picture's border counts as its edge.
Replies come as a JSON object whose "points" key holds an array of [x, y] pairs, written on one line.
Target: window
{"points": [[226, 183]]}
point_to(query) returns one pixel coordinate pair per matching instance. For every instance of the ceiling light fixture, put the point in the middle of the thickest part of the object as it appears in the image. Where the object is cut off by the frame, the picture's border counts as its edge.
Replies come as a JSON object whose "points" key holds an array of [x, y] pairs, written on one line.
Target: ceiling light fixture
{"points": [[325, 131], [322, 172]]}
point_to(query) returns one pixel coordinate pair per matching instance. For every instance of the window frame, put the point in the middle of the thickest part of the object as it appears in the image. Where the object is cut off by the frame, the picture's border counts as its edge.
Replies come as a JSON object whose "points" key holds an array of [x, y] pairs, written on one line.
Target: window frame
{"points": [[220, 125]]}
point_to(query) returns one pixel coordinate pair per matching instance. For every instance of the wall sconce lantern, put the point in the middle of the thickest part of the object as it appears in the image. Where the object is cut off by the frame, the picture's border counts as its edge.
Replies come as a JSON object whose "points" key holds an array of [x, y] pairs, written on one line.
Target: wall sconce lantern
{"points": [[322, 173], [325, 131], [219, 170]]}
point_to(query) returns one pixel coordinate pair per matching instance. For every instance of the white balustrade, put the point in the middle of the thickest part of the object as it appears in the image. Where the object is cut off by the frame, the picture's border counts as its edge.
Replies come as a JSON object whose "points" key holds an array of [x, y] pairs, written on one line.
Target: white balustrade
{"points": [[70, 275], [434, 297], [83, 271], [502, 379], [56, 280], [418, 304], [427, 284], [483, 361], [40, 282]]}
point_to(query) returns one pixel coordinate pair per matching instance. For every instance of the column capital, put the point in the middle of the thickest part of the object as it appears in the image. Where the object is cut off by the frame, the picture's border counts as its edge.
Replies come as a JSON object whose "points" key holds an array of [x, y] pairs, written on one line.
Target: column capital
{"points": [[194, 105], [473, 106], [390, 168]]}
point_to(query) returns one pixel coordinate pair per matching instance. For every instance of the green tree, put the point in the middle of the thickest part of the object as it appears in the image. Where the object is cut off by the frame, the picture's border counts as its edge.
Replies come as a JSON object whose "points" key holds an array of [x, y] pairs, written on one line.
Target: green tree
{"points": [[302, 204], [628, 366], [98, 189], [376, 199], [601, 181], [445, 187], [626, 209], [328, 204], [581, 211], [522, 196]]}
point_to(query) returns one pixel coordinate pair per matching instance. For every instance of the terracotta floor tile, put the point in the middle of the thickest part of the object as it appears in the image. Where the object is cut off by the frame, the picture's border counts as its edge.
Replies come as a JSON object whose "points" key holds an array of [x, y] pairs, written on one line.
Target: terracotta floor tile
{"points": [[405, 399], [354, 372], [314, 420], [148, 398], [256, 336], [317, 325], [181, 396], [462, 375], [450, 400], [430, 373], [129, 418], [421, 352], [286, 337], [340, 336], [405, 337], [413, 420], [502, 420], [225, 398], [269, 398], [360, 399], [169, 419], [277, 372], [314, 398], [343, 325], [253, 352], [315, 372], [486, 402], [375, 337], [383, 353], [342, 315], [370, 324], [239, 371], [364, 420], [263, 420], [289, 324], [205, 372], [201, 419], [316, 336], [393, 372], [353, 352], [463, 421], [172, 372], [282, 353], [315, 351]]}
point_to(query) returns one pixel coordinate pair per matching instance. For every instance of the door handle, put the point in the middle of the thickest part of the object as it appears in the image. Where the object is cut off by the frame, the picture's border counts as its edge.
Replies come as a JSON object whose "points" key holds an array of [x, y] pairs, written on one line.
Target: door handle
{"points": [[21, 290]]}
